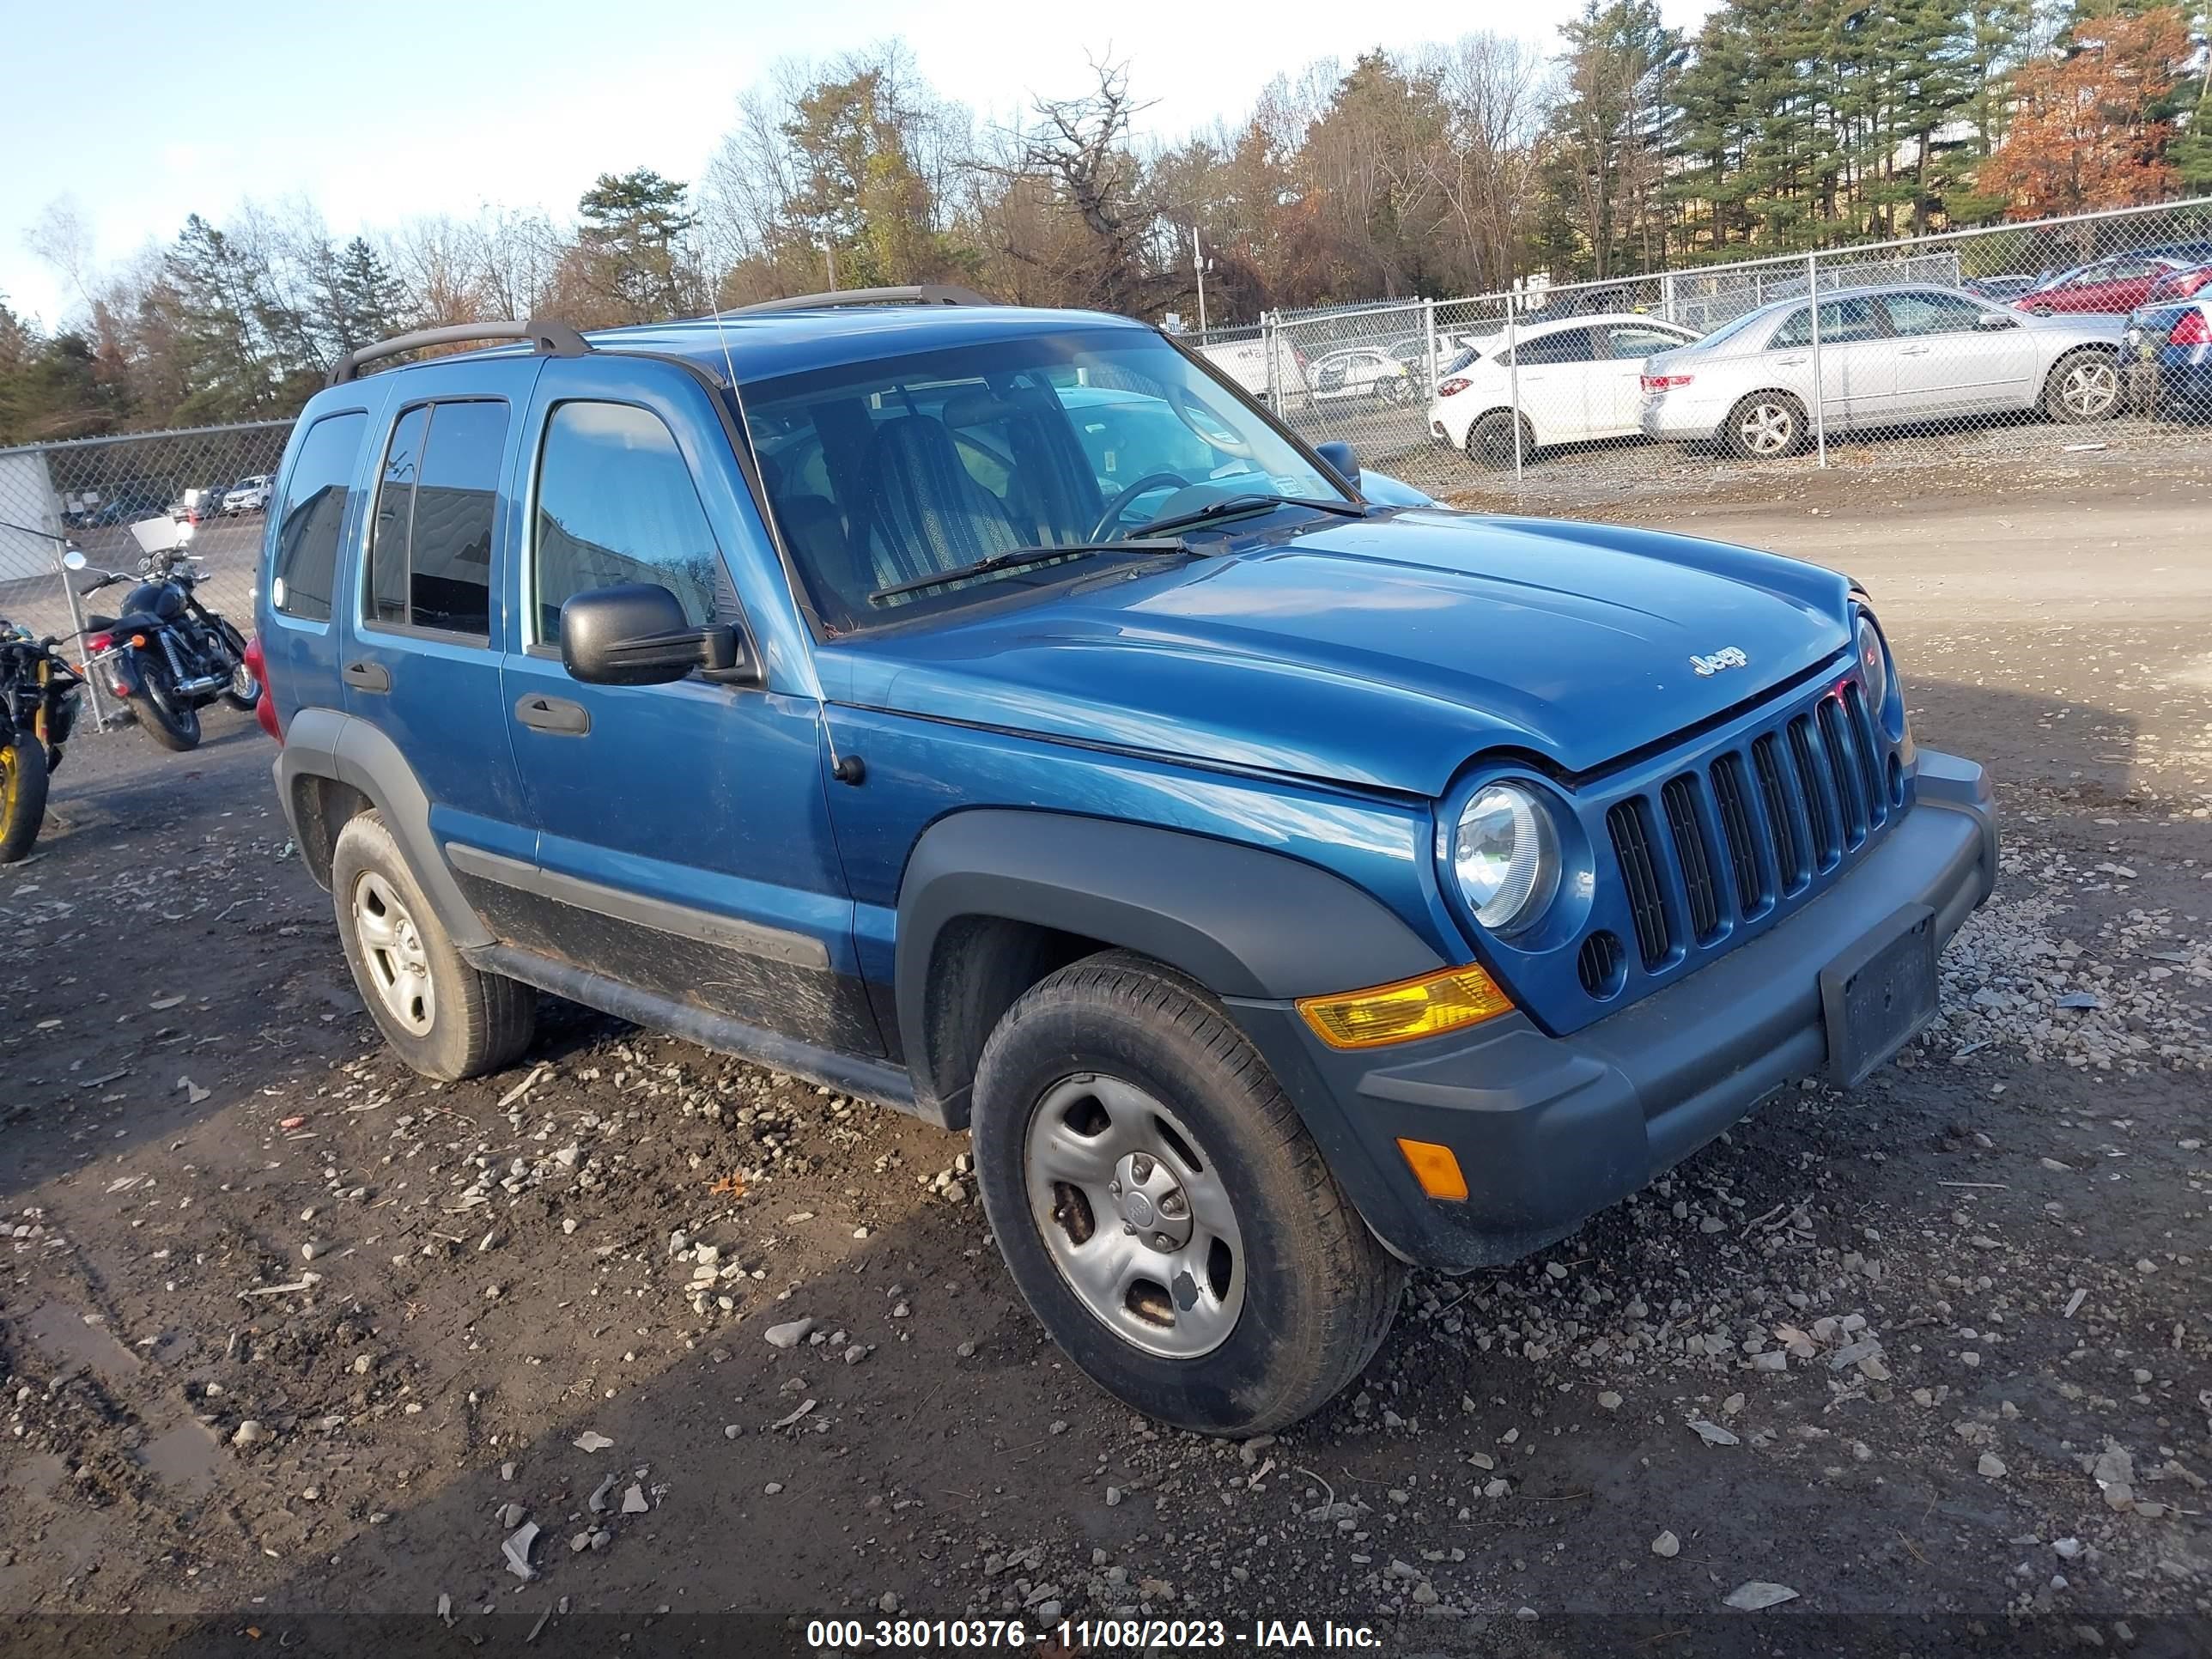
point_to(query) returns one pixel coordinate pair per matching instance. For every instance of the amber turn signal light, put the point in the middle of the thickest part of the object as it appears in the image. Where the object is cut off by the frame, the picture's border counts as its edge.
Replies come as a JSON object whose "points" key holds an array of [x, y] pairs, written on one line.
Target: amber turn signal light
{"points": [[1412, 1008], [1434, 1168]]}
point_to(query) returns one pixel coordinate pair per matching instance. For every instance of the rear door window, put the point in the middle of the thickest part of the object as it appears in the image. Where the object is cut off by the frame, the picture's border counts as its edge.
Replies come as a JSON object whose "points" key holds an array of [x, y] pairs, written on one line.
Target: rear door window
{"points": [[1842, 322], [437, 508], [1565, 345], [313, 516]]}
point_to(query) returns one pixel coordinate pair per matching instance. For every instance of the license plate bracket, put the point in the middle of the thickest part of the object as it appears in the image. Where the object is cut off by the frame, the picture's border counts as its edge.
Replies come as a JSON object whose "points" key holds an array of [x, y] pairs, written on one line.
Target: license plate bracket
{"points": [[1876, 995]]}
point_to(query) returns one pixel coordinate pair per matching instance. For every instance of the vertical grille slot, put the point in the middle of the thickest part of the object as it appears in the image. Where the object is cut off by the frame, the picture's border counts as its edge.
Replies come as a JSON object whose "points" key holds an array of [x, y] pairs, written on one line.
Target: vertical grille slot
{"points": [[1869, 753], [1601, 962], [1844, 766], [1789, 856], [1679, 797], [1730, 797], [1631, 845], [1819, 795]]}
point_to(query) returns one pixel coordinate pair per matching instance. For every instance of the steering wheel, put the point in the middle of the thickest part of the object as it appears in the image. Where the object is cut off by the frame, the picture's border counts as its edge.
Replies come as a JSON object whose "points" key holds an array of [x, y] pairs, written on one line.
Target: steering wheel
{"points": [[1121, 502], [1215, 433]]}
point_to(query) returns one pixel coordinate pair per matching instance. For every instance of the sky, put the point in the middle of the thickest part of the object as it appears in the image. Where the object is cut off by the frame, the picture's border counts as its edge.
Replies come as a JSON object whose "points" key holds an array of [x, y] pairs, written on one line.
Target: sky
{"points": [[443, 105]]}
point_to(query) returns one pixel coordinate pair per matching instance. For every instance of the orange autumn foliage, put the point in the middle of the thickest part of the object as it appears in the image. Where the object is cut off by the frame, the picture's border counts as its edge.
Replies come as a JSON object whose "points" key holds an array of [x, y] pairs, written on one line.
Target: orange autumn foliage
{"points": [[2083, 136]]}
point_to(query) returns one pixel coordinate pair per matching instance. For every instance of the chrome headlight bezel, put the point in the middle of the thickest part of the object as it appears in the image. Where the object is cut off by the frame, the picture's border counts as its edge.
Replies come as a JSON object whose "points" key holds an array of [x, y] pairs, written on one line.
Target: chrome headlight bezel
{"points": [[1877, 671], [1502, 852]]}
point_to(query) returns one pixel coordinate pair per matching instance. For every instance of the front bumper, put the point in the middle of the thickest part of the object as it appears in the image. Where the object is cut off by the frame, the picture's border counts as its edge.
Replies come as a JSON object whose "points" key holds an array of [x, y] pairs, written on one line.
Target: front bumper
{"points": [[1549, 1130]]}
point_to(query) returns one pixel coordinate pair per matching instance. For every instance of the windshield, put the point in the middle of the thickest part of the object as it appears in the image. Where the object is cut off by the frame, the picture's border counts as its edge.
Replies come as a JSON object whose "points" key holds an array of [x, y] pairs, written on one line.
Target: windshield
{"points": [[883, 473]]}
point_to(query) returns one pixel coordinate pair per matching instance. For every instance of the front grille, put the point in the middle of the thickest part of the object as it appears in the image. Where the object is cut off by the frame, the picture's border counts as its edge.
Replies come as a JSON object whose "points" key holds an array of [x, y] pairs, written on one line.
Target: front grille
{"points": [[1679, 797], [1600, 963], [1789, 849], [1818, 794], [1745, 830], [1632, 845], [1733, 801]]}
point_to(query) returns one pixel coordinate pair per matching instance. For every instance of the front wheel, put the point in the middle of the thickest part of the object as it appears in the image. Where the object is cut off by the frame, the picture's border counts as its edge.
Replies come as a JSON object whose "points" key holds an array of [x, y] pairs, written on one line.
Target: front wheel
{"points": [[2083, 386], [23, 795], [1162, 1209], [172, 720]]}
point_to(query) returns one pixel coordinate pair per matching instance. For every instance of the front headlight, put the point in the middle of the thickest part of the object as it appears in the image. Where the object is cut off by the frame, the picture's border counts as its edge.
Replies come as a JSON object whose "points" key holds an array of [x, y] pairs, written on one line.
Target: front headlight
{"points": [[1506, 857], [1874, 665]]}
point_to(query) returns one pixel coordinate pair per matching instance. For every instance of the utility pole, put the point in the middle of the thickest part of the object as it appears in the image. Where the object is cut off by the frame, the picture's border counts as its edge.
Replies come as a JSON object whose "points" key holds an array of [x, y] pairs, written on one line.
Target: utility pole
{"points": [[1198, 264], [830, 252]]}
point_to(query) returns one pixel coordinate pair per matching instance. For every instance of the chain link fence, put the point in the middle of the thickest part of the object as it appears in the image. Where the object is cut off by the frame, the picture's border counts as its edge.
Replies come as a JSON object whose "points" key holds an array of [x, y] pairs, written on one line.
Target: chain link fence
{"points": [[89, 492], [2005, 347]]}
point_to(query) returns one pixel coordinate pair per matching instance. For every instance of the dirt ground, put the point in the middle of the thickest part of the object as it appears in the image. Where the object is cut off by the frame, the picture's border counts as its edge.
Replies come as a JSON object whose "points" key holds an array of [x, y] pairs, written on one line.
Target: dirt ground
{"points": [[296, 1348]]}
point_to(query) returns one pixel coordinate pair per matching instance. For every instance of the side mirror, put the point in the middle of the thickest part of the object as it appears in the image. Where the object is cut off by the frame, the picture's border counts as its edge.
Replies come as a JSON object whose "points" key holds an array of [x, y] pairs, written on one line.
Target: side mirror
{"points": [[1342, 460], [73, 559], [637, 634], [1996, 319]]}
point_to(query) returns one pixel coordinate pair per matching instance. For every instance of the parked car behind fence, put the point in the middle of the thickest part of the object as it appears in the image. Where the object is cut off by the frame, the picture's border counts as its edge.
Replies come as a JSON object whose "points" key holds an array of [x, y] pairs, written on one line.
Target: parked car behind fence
{"points": [[1886, 358]]}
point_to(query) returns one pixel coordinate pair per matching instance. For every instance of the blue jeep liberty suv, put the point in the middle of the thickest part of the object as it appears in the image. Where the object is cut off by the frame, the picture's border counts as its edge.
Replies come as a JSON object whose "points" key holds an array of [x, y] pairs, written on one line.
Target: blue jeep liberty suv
{"points": [[995, 713]]}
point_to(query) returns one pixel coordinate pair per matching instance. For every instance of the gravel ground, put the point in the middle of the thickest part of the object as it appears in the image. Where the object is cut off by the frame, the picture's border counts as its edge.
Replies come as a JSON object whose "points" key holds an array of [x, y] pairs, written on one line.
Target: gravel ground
{"points": [[1927, 1368]]}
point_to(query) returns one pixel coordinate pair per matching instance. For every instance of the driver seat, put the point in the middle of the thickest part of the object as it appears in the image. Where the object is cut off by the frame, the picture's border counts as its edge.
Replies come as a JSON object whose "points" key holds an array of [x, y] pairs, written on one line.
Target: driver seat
{"points": [[926, 513]]}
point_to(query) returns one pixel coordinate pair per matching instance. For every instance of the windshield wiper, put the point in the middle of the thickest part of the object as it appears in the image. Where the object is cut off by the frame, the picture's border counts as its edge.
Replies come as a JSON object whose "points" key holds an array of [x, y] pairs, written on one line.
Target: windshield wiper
{"points": [[1020, 556], [1246, 501]]}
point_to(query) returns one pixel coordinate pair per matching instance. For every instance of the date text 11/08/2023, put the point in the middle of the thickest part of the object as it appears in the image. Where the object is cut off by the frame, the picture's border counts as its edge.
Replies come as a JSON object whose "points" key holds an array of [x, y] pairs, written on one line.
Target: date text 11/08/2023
{"points": [[1090, 1635]]}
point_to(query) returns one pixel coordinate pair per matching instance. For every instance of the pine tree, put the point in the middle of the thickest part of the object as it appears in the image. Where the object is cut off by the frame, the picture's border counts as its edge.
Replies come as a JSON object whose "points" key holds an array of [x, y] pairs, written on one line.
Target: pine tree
{"points": [[361, 301], [633, 243]]}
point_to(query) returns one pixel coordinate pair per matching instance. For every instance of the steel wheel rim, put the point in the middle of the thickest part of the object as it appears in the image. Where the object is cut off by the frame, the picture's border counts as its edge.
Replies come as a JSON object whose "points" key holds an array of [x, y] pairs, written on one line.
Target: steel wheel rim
{"points": [[242, 683], [1768, 428], [392, 951], [2089, 388], [1134, 1215]]}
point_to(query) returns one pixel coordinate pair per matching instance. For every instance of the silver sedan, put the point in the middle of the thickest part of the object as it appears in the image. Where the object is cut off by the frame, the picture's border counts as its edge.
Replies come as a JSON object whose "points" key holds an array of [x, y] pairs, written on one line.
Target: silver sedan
{"points": [[1896, 355]]}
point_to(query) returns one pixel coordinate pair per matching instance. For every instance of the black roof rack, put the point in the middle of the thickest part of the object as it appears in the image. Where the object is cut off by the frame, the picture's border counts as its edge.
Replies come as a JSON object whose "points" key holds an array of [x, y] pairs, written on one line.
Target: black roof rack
{"points": [[921, 294], [558, 339]]}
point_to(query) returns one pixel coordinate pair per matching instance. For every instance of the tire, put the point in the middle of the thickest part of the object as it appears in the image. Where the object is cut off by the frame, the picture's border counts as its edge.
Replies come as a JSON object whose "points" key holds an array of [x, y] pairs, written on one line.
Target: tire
{"points": [[23, 795], [171, 721], [2082, 386], [1296, 1294], [1490, 441], [244, 692], [445, 1018], [1764, 427]]}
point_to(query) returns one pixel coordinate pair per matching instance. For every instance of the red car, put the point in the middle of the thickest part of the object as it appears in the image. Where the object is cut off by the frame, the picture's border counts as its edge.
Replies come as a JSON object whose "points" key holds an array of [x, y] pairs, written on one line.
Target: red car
{"points": [[2185, 283], [2118, 284]]}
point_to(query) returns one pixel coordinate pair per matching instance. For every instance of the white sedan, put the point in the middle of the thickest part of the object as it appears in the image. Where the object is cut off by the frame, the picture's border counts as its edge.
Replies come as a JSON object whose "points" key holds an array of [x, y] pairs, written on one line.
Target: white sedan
{"points": [[1574, 379], [1370, 372], [247, 494]]}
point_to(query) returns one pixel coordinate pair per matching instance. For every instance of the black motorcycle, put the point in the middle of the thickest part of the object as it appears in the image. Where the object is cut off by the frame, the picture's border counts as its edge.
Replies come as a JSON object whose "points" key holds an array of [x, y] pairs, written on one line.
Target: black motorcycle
{"points": [[166, 655], [38, 706]]}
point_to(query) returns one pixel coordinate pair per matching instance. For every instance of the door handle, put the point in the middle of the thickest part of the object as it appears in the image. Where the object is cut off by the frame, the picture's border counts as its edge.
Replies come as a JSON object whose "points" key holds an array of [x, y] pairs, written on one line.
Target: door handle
{"points": [[367, 675], [556, 716], [1913, 351], [1790, 362]]}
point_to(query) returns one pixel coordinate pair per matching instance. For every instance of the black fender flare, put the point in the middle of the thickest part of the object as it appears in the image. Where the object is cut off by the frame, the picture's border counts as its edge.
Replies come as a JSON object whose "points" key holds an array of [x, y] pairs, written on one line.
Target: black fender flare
{"points": [[327, 743], [1244, 921]]}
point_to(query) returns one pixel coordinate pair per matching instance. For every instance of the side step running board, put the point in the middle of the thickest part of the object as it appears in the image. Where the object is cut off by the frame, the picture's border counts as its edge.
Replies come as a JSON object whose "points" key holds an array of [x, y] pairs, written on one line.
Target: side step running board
{"points": [[876, 1080]]}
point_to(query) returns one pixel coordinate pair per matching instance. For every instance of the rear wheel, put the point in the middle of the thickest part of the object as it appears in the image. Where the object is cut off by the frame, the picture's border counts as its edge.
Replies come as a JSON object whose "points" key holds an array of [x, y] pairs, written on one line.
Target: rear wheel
{"points": [[1490, 441], [172, 720], [22, 794], [1163, 1210], [445, 1018], [2082, 386], [1764, 427], [244, 690]]}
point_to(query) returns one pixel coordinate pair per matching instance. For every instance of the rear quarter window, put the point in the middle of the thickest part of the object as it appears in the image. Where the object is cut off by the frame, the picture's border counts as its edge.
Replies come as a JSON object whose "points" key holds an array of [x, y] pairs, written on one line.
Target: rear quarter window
{"points": [[312, 518]]}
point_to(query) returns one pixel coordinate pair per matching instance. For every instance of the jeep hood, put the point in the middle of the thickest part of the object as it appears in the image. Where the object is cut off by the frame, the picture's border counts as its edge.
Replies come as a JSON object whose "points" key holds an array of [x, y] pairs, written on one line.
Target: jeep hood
{"points": [[1384, 653]]}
